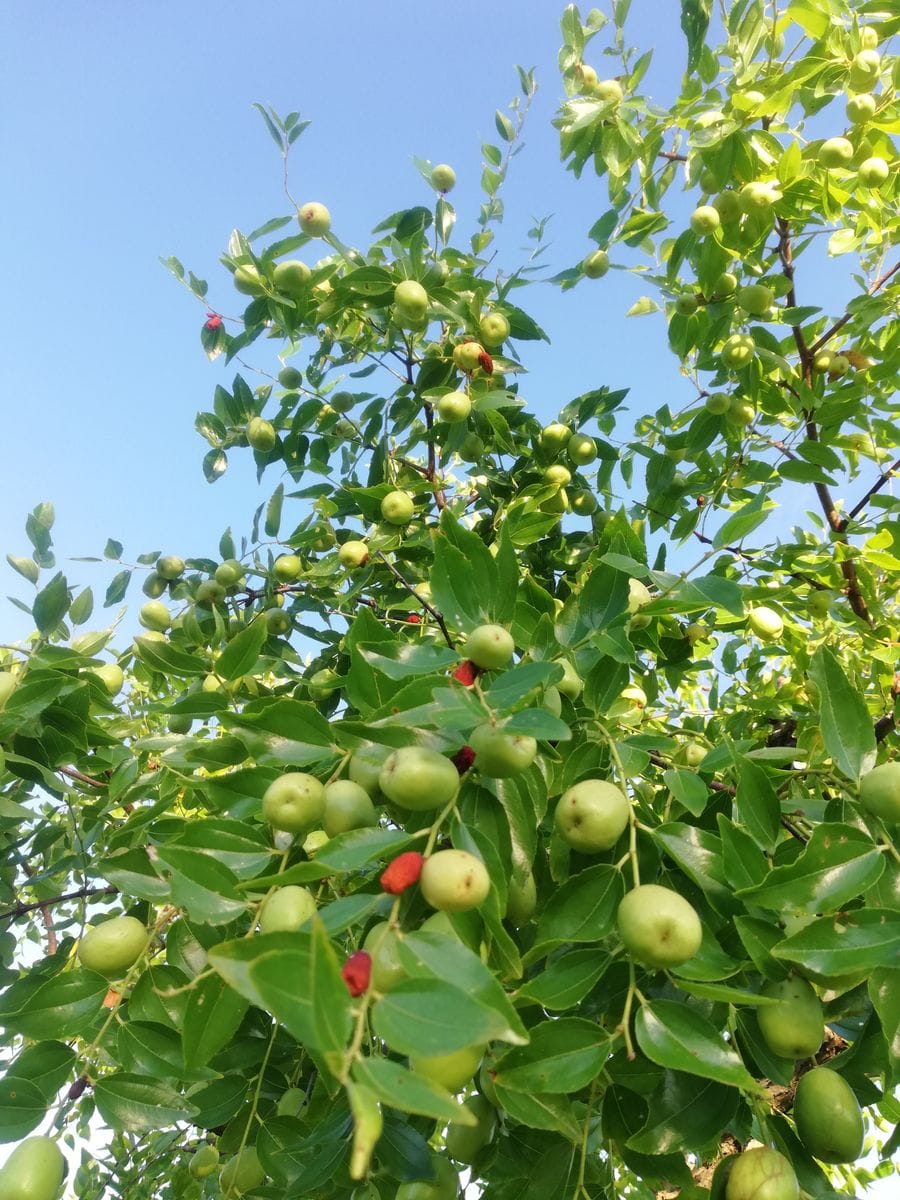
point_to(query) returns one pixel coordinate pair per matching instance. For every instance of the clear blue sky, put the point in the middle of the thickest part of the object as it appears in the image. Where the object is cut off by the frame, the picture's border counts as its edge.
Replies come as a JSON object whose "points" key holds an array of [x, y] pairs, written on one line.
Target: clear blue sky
{"points": [[127, 133]]}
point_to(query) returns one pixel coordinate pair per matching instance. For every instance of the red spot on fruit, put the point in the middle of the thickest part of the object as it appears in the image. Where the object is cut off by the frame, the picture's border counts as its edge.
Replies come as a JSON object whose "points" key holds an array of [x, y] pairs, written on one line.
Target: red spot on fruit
{"points": [[356, 972], [487, 363], [402, 873]]}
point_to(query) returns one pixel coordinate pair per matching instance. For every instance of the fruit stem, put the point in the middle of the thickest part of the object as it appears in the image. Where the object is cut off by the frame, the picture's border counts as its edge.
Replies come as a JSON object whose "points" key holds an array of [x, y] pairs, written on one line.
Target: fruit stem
{"points": [[359, 1031], [625, 1023], [580, 1189], [436, 827], [254, 1106], [632, 815]]}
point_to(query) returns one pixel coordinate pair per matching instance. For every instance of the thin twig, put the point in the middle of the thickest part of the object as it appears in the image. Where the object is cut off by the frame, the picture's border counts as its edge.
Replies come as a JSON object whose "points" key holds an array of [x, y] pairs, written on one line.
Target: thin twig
{"points": [[21, 910], [81, 777], [892, 470], [429, 608], [839, 324]]}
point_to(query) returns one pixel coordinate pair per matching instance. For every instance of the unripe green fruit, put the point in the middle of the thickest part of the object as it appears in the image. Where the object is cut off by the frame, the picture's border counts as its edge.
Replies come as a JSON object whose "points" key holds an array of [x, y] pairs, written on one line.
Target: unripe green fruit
{"points": [[294, 803], [493, 329], [718, 403], [209, 592], [34, 1171], [314, 218], [322, 683], [291, 278], [819, 603], [868, 38], [765, 623], [290, 378], [204, 1161], [728, 206], [687, 305], [552, 701], [874, 171], [864, 70], [879, 792], [490, 647], [352, 553], [418, 779], [454, 407], [347, 806], [229, 573], [499, 755], [581, 449], [756, 197], [450, 1071], [571, 683], [242, 1173], [248, 280], [114, 946], [211, 683], [822, 361], [278, 622], [179, 723], [291, 1102], [472, 448], [658, 927], [587, 77], [794, 1027], [443, 178], [762, 1174], [554, 437], [465, 1142], [387, 969], [397, 508], [155, 615], [705, 219], [261, 434], [738, 351], [835, 152], [445, 1188], [596, 264], [411, 298], [592, 815], [286, 909], [755, 299], [111, 676], [740, 412], [583, 503], [609, 91], [467, 356], [828, 1117], [521, 900], [638, 596], [556, 475], [170, 566], [287, 567], [454, 881], [366, 765], [840, 365], [861, 109], [725, 285]]}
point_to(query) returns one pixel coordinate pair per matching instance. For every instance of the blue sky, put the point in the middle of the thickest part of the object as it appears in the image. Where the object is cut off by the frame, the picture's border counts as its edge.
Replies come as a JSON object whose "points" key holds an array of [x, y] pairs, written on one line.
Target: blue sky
{"points": [[128, 133]]}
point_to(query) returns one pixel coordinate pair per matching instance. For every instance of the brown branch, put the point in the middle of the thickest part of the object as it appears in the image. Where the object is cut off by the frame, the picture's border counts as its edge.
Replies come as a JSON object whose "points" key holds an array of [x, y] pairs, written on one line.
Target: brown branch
{"points": [[431, 473], [46, 917], [429, 608], [892, 470], [81, 777], [21, 910], [671, 156], [842, 321]]}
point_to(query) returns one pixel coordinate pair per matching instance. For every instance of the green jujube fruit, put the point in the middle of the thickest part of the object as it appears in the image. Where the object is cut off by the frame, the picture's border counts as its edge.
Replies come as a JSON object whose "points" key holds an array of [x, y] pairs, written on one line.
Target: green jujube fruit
{"points": [[794, 1027], [828, 1117]]}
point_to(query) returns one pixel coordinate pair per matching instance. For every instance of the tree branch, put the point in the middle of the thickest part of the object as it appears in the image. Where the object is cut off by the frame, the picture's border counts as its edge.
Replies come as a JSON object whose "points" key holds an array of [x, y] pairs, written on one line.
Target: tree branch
{"points": [[842, 321], [438, 616], [81, 777], [892, 470], [21, 910]]}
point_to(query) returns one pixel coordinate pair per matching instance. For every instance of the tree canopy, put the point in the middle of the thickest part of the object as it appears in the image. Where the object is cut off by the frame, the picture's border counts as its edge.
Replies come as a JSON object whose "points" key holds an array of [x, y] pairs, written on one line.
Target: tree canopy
{"points": [[509, 806]]}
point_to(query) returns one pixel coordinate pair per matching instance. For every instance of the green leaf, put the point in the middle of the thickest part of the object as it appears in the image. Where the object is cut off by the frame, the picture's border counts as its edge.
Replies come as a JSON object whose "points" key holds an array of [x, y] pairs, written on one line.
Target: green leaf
{"points": [[139, 1105], [757, 804], [51, 603], [685, 1112], [60, 1007], [48, 1065], [273, 512], [241, 653], [408, 1092], [680, 1039], [266, 970], [26, 567], [582, 910], [688, 789], [846, 724], [838, 864], [431, 1017], [845, 944], [118, 586], [546, 1111], [563, 1056], [566, 981], [201, 885], [744, 521], [214, 1012], [22, 1108]]}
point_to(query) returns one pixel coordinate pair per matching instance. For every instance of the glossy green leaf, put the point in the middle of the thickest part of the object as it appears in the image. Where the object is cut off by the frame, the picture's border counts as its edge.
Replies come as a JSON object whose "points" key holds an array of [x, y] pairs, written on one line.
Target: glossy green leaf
{"points": [[137, 1104], [859, 941], [22, 1108], [562, 1056], [408, 1092], [845, 720], [681, 1039]]}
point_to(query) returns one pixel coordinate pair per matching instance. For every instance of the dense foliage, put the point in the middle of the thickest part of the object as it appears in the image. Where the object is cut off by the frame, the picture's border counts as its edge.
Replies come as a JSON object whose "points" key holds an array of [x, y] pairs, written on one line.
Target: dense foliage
{"points": [[445, 828]]}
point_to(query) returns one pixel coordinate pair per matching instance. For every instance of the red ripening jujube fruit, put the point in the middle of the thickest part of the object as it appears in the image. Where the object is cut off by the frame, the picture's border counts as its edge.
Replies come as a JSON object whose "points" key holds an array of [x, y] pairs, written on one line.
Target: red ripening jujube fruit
{"points": [[402, 873], [413, 619], [487, 363], [463, 759], [357, 971], [466, 673], [213, 321]]}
